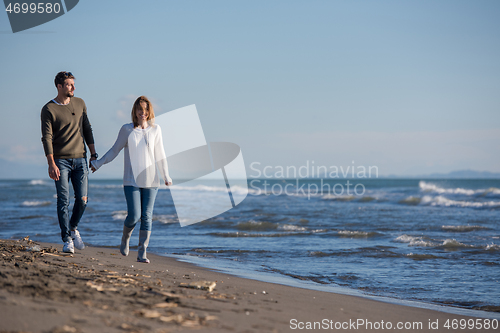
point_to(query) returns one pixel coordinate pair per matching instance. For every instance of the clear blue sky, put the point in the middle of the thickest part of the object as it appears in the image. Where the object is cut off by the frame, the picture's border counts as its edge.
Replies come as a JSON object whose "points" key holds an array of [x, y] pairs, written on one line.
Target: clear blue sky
{"points": [[409, 86]]}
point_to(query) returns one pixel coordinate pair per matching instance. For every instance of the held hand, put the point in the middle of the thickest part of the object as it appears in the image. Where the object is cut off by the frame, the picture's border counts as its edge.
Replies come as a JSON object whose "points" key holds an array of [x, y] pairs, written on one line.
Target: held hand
{"points": [[54, 172], [168, 183], [91, 165]]}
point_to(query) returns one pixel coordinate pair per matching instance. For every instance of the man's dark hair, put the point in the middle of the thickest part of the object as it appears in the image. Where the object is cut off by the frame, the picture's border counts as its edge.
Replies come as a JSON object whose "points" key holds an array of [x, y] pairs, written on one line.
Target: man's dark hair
{"points": [[61, 76]]}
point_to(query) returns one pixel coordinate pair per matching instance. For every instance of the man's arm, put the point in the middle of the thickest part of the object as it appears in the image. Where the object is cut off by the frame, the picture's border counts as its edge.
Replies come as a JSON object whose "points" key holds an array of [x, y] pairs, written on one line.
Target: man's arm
{"points": [[46, 118], [87, 134], [54, 172], [92, 152]]}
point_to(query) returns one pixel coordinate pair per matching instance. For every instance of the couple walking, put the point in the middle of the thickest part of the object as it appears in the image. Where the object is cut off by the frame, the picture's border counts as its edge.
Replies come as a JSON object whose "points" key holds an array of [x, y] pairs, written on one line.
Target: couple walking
{"points": [[65, 131]]}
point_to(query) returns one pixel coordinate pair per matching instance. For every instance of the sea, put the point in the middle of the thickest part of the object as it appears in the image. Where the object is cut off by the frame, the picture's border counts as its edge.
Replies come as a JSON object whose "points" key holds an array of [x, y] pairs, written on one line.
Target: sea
{"points": [[426, 242]]}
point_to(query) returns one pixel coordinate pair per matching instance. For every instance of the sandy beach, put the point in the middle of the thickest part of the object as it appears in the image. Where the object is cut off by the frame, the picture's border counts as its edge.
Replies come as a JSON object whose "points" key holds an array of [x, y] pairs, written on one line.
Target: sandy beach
{"points": [[99, 290]]}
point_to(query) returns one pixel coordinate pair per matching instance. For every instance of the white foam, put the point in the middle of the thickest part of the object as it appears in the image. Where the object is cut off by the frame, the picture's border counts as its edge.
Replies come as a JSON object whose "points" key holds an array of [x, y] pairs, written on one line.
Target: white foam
{"points": [[492, 192], [411, 200], [257, 225], [445, 202], [427, 187], [35, 203], [165, 219], [355, 233], [119, 215], [289, 227], [38, 182], [338, 197], [454, 243], [462, 227], [319, 230], [414, 241], [492, 247]]}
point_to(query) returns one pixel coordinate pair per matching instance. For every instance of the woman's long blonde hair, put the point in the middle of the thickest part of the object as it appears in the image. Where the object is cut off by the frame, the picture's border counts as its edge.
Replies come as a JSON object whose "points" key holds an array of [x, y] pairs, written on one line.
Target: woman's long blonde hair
{"points": [[137, 105]]}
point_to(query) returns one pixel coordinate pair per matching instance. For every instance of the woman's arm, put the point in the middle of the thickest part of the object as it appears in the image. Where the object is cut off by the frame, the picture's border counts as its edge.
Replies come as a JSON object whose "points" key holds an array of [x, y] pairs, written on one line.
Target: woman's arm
{"points": [[121, 141], [161, 158]]}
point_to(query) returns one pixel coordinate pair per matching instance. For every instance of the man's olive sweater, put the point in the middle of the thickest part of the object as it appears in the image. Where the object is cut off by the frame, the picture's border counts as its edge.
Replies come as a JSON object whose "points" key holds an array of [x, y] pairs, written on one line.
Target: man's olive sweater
{"points": [[66, 129]]}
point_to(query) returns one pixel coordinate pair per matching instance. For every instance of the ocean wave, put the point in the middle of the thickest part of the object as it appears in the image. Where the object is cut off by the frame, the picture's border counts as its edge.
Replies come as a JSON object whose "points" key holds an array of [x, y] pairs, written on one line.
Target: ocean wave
{"points": [[420, 256], [35, 203], [415, 241], [321, 254], [247, 234], [492, 191], [411, 200], [289, 227], [357, 234], [492, 247], [39, 182], [428, 187], [314, 278], [119, 215], [462, 228], [339, 197], [454, 244], [235, 251], [372, 252], [165, 219], [242, 190], [316, 231], [257, 226], [445, 202], [423, 241], [267, 226], [29, 217]]}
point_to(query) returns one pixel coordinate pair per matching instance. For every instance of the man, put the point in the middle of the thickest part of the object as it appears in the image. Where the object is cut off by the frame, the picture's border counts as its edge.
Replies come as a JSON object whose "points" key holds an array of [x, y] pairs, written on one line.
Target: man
{"points": [[65, 130]]}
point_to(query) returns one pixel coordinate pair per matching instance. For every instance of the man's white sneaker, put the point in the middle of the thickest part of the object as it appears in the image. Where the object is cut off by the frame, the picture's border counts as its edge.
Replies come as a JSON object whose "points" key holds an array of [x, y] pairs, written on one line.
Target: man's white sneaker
{"points": [[77, 240], [68, 247]]}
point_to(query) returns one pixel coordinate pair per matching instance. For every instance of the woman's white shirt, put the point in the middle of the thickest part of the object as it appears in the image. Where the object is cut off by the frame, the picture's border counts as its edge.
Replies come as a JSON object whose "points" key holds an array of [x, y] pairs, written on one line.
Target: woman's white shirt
{"points": [[144, 155]]}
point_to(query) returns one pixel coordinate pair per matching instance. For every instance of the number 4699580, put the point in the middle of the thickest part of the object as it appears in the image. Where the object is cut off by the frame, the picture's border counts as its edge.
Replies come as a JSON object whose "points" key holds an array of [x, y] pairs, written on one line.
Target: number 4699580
{"points": [[33, 8], [472, 324]]}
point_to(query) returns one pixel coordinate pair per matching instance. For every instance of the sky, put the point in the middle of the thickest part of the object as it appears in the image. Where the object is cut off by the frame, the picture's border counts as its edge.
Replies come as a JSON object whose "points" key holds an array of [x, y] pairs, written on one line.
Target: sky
{"points": [[411, 87]]}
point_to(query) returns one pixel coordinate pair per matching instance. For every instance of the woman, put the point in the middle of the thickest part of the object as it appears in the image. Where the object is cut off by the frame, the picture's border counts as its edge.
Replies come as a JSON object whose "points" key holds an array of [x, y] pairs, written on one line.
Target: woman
{"points": [[143, 144]]}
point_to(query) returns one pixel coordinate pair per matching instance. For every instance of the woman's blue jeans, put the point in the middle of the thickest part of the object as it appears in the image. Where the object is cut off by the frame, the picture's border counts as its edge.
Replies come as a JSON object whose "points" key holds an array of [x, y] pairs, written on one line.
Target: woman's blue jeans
{"points": [[76, 171], [140, 203]]}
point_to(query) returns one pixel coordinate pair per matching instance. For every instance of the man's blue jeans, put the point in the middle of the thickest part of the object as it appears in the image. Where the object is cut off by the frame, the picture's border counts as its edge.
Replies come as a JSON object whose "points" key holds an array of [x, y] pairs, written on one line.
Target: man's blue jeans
{"points": [[76, 171], [140, 203]]}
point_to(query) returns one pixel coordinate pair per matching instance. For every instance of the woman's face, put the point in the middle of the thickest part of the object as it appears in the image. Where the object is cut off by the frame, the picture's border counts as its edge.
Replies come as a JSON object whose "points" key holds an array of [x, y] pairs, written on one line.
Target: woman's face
{"points": [[142, 113]]}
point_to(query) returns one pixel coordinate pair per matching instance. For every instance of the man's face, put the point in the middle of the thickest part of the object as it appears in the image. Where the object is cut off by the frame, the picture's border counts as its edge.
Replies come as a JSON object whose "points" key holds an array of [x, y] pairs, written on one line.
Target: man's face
{"points": [[68, 88]]}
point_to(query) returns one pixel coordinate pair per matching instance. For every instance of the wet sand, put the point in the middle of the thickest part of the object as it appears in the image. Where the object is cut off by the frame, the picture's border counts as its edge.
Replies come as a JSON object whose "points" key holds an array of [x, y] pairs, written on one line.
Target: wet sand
{"points": [[99, 290]]}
